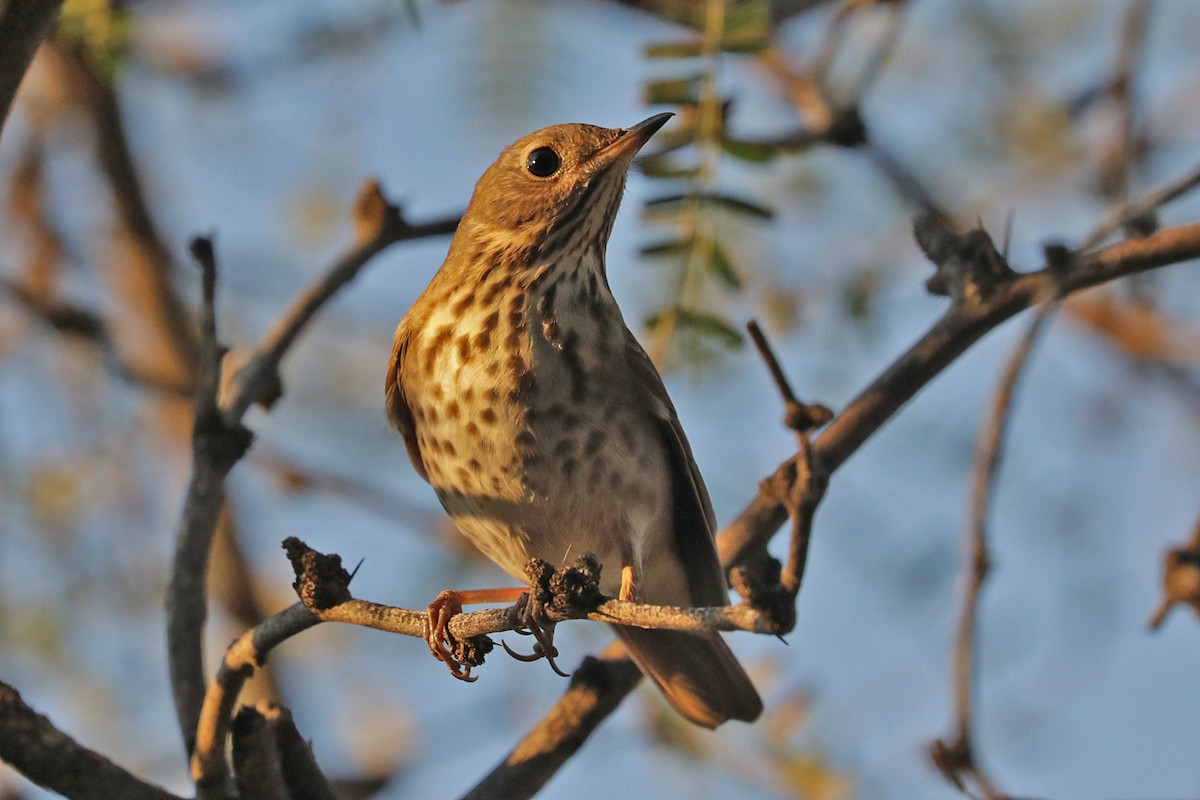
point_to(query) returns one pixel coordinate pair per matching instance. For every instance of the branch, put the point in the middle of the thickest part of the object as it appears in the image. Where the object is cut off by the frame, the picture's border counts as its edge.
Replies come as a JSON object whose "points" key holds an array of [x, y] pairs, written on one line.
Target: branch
{"points": [[956, 758], [1142, 209], [216, 447], [220, 439], [323, 587], [244, 656], [23, 26], [271, 760], [597, 687], [31, 745]]}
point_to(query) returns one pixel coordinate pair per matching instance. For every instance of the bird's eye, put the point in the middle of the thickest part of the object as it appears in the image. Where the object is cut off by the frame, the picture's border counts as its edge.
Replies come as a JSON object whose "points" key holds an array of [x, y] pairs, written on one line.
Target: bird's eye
{"points": [[543, 162]]}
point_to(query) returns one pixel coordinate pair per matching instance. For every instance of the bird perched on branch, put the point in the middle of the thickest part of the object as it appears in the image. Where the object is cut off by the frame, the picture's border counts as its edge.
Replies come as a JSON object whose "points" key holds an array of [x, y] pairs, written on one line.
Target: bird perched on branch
{"points": [[541, 423]]}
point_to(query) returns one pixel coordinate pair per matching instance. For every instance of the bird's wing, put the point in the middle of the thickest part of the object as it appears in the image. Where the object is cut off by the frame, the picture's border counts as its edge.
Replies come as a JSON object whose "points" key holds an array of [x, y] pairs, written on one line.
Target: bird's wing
{"points": [[694, 520], [398, 411]]}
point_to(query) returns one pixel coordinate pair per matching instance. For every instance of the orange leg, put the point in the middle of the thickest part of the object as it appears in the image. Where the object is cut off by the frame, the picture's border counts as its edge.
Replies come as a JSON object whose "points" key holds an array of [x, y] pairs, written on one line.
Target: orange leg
{"points": [[629, 585], [444, 607]]}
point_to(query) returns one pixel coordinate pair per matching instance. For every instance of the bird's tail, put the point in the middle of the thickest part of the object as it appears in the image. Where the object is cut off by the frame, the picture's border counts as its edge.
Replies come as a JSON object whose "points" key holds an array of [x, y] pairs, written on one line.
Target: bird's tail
{"points": [[696, 672]]}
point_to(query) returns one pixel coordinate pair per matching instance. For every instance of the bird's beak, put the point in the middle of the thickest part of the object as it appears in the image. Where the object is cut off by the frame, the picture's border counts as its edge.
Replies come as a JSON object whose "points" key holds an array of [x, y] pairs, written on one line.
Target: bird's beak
{"points": [[633, 139]]}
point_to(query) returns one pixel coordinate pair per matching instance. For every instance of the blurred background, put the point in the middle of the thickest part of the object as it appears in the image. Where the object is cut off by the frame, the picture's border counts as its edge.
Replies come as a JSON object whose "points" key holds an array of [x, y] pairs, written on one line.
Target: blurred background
{"points": [[144, 123]]}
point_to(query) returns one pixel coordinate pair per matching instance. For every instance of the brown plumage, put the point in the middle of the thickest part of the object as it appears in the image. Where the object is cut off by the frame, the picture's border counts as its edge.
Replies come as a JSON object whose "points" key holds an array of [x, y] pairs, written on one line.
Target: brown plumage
{"points": [[539, 420]]}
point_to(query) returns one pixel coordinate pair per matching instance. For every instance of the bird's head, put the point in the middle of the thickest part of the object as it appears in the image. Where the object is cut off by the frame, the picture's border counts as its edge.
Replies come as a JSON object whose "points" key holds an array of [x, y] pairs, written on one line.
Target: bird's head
{"points": [[562, 183]]}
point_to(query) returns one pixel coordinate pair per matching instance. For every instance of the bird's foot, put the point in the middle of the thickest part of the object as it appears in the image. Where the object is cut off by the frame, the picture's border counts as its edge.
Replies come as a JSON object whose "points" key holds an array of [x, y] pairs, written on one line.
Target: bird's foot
{"points": [[535, 623], [437, 633], [461, 656]]}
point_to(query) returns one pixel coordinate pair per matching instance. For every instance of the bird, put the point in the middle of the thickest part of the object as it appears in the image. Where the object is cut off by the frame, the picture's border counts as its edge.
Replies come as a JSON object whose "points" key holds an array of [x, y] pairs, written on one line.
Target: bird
{"points": [[541, 423]]}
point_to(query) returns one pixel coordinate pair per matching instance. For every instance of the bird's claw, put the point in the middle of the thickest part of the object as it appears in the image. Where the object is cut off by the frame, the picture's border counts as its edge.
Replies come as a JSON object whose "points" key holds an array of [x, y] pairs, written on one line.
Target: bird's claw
{"points": [[438, 636], [542, 630]]}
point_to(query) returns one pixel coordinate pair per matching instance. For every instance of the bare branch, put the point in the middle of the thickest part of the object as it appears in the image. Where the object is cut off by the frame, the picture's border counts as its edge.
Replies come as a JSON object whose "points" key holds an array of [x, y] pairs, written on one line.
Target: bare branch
{"points": [[323, 588], [216, 447], [597, 687], [957, 758], [31, 745], [303, 777], [220, 440], [257, 767], [244, 656], [1144, 207]]}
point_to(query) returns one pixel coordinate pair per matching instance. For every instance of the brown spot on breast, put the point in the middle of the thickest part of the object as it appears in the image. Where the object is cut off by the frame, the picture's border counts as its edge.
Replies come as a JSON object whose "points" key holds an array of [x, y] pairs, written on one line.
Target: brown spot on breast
{"points": [[472, 430], [491, 321], [474, 465], [463, 305], [569, 466], [436, 392], [449, 449], [492, 295], [487, 416], [513, 341], [464, 476], [496, 483], [468, 394], [564, 447], [492, 394], [464, 348], [436, 344], [595, 440], [483, 341], [453, 409], [430, 415]]}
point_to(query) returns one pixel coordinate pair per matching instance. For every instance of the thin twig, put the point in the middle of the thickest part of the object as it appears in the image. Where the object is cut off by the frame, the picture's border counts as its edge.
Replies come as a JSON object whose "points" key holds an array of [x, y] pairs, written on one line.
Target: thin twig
{"points": [[1118, 160], [1143, 206], [803, 492], [988, 453]]}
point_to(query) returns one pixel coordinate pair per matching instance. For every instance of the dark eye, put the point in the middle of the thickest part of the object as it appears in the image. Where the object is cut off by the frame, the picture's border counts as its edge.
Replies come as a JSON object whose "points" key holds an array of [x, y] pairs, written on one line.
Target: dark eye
{"points": [[543, 162]]}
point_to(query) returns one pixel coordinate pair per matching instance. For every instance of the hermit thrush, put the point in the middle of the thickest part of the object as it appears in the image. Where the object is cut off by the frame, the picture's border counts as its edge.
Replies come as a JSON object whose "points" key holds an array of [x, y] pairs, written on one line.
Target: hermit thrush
{"points": [[539, 420]]}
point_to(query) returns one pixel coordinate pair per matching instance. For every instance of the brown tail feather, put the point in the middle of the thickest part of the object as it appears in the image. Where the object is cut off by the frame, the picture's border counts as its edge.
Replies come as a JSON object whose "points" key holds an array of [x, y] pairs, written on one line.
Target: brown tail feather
{"points": [[696, 672]]}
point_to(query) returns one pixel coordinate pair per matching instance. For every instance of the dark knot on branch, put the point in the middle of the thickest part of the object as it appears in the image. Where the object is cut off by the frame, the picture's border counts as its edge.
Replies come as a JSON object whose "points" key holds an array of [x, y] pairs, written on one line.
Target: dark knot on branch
{"points": [[761, 588], [321, 580], [968, 267], [566, 593]]}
